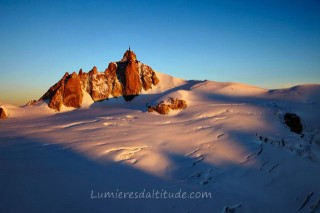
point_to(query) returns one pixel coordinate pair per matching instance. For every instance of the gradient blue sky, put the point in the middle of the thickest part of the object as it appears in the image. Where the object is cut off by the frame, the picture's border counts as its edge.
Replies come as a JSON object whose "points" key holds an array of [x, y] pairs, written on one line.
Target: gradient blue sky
{"points": [[266, 43]]}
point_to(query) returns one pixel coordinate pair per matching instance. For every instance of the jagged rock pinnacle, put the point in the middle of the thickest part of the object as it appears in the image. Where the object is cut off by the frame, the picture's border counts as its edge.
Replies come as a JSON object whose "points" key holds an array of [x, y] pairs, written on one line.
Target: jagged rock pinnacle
{"points": [[126, 78], [128, 56]]}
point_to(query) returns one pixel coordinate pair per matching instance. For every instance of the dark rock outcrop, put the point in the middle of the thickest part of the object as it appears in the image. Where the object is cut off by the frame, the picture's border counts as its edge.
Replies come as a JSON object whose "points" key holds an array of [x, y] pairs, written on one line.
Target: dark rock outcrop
{"points": [[31, 102], [176, 104], [172, 104], [126, 78], [160, 108], [3, 113], [293, 121]]}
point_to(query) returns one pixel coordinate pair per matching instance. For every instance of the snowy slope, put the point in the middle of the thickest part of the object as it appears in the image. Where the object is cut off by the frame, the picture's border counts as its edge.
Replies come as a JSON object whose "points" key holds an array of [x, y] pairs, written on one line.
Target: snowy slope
{"points": [[231, 141], [166, 82]]}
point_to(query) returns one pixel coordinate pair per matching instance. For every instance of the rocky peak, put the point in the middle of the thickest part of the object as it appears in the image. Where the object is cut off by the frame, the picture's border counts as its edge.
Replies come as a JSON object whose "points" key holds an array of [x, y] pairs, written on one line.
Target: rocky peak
{"points": [[126, 78], [129, 55], [94, 70]]}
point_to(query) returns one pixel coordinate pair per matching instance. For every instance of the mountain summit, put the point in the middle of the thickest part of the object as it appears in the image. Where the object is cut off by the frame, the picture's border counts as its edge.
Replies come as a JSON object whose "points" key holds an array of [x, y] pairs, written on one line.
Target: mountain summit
{"points": [[126, 78]]}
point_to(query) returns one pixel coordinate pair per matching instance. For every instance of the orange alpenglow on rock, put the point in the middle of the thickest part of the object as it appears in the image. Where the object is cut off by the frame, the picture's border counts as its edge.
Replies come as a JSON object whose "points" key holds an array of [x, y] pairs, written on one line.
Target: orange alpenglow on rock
{"points": [[72, 96], [3, 114], [128, 56], [126, 78], [132, 78], [172, 104]]}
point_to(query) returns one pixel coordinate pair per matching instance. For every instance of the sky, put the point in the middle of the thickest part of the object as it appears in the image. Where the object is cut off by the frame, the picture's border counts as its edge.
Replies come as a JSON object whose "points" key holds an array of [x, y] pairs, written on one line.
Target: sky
{"points": [[271, 44]]}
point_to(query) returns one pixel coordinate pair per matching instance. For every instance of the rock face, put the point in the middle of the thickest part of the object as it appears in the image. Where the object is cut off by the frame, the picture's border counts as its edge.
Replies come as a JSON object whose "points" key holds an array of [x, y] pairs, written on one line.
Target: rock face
{"points": [[126, 78], [3, 114], [164, 108], [72, 96], [132, 83], [293, 122]]}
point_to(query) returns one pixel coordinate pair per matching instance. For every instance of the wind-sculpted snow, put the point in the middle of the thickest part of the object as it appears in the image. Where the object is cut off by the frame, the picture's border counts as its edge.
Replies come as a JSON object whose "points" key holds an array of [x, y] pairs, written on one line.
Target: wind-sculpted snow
{"points": [[231, 140]]}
